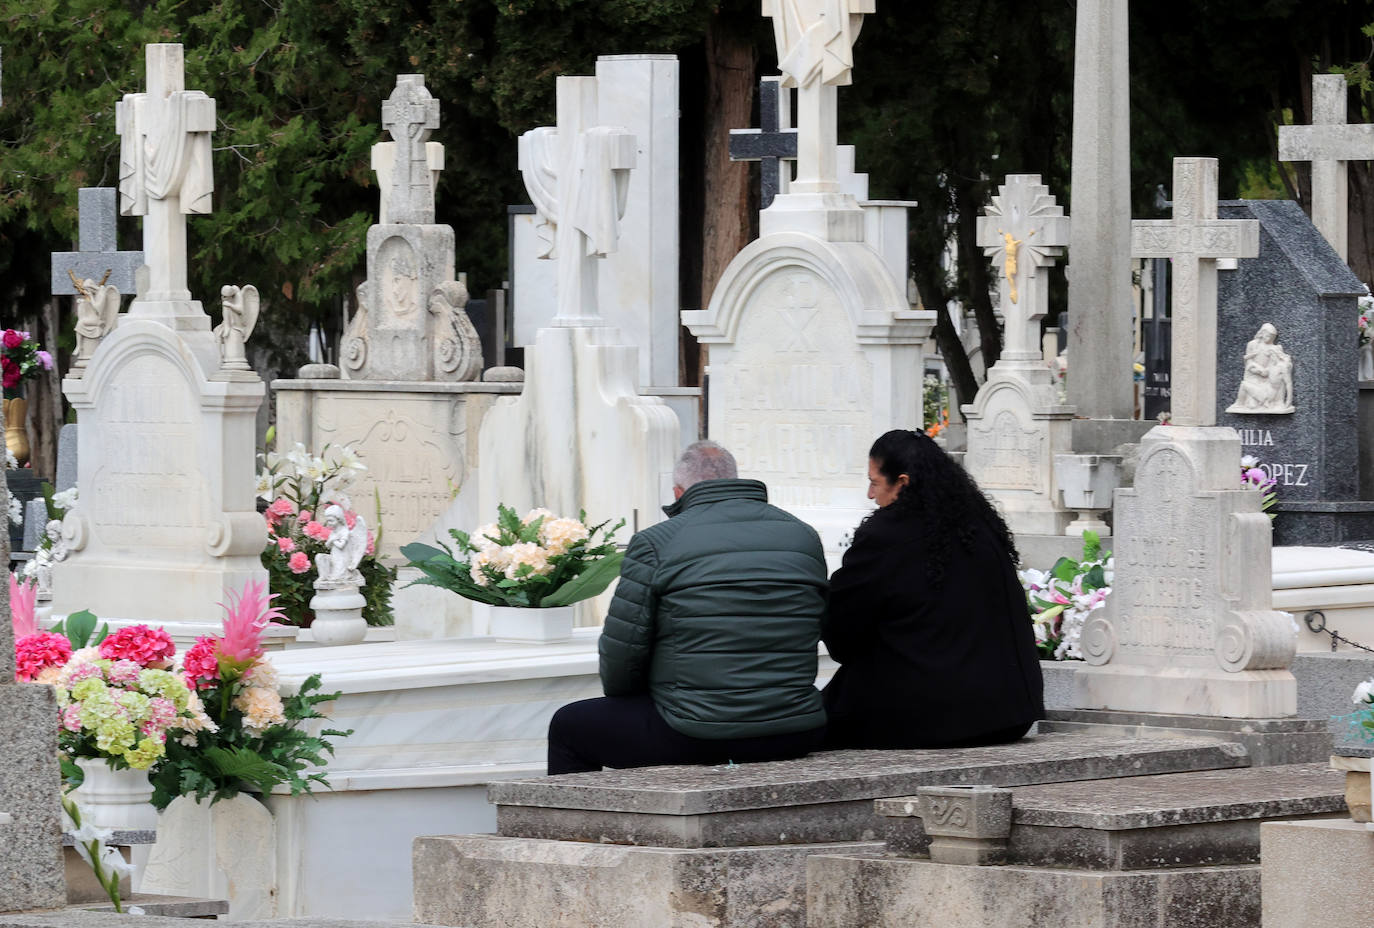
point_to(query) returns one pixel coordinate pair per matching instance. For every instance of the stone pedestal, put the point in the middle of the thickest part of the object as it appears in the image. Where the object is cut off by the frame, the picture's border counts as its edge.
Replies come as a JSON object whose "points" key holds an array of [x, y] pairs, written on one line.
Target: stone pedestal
{"points": [[31, 870], [1189, 628], [338, 615]]}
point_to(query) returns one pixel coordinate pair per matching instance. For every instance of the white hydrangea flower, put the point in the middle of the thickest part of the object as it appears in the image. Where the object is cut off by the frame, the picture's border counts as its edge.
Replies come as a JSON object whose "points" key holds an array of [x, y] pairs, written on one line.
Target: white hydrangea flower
{"points": [[558, 535], [484, 536], [527, 554], [493, 556], [537, 513]]}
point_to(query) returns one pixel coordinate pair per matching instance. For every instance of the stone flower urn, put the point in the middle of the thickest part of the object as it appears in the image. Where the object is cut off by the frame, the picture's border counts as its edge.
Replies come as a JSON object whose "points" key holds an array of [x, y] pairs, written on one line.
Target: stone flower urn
{"points": [[1086, 483]]}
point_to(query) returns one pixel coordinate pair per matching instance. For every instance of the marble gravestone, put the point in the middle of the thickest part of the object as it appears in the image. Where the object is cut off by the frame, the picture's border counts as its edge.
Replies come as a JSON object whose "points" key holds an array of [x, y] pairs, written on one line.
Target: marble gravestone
{"points": [[1016, 424], [814, 348], [637, 284], [31, 870], [1301, 287], [410, 323], [167, 518], [1189, 628], [549, 446]]}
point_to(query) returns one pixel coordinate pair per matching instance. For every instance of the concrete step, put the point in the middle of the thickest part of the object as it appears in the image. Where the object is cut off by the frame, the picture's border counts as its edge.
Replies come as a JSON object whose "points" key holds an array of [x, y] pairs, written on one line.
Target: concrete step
{"points": [[1204, 818], [1267, 741], [822, 798]]}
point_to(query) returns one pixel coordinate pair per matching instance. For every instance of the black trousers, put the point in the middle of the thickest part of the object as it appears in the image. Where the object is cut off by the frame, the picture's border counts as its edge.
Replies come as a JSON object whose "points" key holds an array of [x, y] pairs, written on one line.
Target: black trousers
{"points": [[627, 731]]}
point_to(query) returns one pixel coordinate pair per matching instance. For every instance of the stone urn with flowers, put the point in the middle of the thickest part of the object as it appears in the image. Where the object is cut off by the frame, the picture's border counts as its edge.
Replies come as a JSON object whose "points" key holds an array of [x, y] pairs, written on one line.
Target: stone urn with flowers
{"points": [[523, 575]]}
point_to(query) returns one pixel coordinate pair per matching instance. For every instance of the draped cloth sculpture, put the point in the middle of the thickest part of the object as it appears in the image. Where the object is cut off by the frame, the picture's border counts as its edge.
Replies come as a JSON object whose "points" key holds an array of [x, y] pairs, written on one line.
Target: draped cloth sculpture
{"points": [[816, 38]]}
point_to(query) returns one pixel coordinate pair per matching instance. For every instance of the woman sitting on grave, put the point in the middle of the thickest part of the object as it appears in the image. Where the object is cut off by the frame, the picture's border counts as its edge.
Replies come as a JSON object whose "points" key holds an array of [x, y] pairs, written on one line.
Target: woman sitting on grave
{"points": [[927, 617]]}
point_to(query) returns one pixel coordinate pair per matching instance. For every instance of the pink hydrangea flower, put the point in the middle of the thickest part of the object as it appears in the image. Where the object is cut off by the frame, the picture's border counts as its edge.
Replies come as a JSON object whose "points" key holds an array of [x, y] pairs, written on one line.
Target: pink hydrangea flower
{"points": [[317, 530], [71, 717], [162, 712], [81, 671], [200, 668], [286, 545], [35, 653], [142, 644], [299, 563], [124, 671]]}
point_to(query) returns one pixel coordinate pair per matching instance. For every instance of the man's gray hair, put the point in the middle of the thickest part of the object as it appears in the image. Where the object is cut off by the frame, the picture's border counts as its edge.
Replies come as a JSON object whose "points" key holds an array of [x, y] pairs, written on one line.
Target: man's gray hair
{"points": [[704, 460]]}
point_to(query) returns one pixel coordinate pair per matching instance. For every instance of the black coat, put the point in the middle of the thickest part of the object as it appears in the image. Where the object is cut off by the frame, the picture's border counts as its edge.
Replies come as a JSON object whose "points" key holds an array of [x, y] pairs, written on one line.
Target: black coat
{"points": [[923, 667]]}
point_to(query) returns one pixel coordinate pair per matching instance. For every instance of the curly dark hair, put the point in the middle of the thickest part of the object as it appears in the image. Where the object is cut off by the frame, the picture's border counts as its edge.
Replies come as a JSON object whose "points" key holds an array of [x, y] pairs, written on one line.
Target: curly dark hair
{"points": [[950, 503]]}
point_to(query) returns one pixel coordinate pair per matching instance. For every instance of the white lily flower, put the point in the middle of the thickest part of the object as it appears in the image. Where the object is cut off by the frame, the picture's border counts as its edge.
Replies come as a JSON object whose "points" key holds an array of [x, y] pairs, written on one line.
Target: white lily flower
{"points": [[1362, 693]]}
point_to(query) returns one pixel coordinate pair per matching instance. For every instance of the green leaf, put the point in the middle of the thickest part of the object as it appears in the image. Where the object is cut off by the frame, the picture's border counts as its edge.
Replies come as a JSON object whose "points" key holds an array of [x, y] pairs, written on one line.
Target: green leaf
{"points": [[78, 628], [1092, 545], [1095, 579], [1064, 569], [417, 551], [591, 582]]}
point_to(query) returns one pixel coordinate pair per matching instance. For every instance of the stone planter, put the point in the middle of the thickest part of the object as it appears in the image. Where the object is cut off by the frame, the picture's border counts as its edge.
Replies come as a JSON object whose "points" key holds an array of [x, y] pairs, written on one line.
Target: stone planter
{"points": [[1357, 771], [1367, 361], [513, 623], [118, 799], [1086, 482], [223, 851]]}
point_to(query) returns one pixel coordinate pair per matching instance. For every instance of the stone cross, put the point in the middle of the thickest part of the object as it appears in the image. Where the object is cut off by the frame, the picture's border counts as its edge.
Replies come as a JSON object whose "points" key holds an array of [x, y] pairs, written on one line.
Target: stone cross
{"points": [[578, 176], [411, 114], [1328, 143], [1100, 326], [771, 144], [1193, 241], [815, 42], [1023, 230], [165, 173], [99, 243]]}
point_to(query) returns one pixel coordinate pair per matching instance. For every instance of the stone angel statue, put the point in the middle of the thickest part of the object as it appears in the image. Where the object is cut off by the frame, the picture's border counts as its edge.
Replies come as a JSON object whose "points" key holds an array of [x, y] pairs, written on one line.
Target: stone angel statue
{"points": [[97, 305], [240, 305], [338, 566]]}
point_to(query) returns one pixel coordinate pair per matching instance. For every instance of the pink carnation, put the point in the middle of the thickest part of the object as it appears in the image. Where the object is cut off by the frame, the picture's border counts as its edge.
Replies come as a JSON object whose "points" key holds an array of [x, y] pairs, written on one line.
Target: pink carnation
{"points": [[281, 506], [71, 717], [124, 671], [35, 653], [317, 530], [350, 517], [304, 516], [286, 545], [142, 644], [299, 563], [200, 668]]}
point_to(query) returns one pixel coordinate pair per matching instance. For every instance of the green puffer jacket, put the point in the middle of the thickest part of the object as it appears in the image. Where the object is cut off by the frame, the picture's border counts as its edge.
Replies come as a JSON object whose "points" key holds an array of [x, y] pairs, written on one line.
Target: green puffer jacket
{"points": [[718, 614]]}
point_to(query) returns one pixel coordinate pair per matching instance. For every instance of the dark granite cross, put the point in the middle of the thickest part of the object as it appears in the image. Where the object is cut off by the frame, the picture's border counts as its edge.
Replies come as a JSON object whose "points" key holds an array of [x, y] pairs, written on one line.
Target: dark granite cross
{"points": [[99, 254], [770, 145]]}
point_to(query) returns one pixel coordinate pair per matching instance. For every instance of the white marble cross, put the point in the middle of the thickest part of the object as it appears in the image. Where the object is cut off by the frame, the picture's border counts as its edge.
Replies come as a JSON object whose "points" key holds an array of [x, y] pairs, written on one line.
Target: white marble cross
{"points": [[1023, 230], [99, 243], [1328, 143], [411, 114], [1193, 241], [165, 172], [578, 175], [815, 42]]}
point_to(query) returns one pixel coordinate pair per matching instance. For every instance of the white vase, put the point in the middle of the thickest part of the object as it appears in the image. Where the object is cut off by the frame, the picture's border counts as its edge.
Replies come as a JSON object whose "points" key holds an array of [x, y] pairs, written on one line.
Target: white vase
{"points": [[1367, 361], [517, 623], [118, 799]]}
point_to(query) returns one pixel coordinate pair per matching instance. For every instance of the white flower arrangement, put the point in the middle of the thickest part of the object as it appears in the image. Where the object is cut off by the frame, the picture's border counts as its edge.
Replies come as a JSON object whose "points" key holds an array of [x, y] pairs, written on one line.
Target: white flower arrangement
{"points": [[537, 561], [1062, 598]]}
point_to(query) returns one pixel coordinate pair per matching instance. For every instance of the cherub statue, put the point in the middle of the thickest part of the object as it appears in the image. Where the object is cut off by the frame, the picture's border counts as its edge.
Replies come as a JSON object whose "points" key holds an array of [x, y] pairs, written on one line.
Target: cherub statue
{"points": [[97, 305], [45, 557], [240, 305], [338, 566]]}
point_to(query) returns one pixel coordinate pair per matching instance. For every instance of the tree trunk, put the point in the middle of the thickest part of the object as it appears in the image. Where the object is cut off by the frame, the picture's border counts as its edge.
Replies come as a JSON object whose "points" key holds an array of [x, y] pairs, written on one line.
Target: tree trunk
{"points": [[728, 214], [45, 409]]}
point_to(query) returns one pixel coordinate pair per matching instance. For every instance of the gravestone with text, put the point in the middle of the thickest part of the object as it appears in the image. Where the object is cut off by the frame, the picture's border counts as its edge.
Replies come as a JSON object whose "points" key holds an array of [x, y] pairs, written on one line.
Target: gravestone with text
{"points": [[167, 519], [1301, 287], [814, 348], [1016, 424], [1189, 628]]}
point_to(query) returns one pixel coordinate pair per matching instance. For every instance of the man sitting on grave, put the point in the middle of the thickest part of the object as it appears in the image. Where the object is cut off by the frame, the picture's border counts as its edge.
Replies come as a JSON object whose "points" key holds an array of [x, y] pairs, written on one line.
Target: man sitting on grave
{"points": [[709, 651], [927, 617]]}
